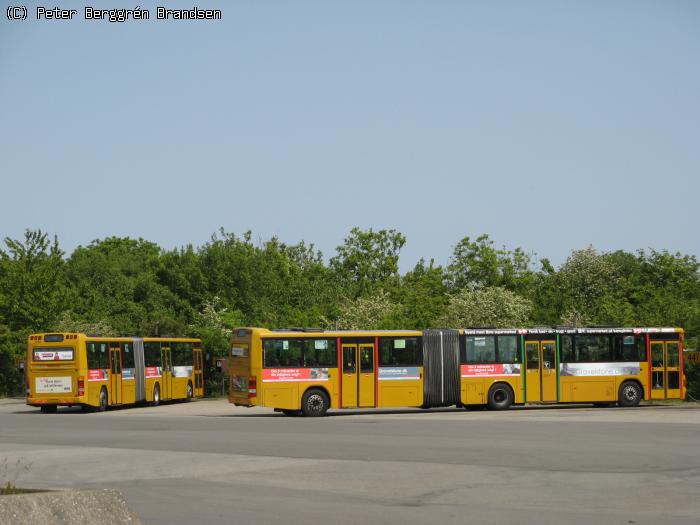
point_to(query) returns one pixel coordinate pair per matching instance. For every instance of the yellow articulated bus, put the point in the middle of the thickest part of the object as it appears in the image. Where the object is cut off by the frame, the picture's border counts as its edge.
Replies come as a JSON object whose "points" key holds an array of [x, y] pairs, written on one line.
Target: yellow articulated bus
{"points": [[97, 372], [585, 365], [311, 370]]}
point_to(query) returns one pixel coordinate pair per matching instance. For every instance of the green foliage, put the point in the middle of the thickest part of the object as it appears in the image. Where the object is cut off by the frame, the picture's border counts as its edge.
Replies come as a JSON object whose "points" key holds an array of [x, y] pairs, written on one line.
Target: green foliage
{"points": [[368, 260], [122, 286], [367, 313], [486, 307], [68, 322], [692, 376], [478, 263]]}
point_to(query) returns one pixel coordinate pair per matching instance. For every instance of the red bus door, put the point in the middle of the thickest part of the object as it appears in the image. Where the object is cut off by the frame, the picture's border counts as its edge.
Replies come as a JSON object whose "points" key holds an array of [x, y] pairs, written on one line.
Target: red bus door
{"points": [[198, 373], [115, 376], [167, 390]]}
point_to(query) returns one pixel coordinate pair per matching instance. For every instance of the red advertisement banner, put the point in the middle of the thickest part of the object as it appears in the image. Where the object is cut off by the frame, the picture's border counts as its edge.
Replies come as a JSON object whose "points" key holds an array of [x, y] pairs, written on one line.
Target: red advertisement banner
{"points": [[152, 371], [490, 370], [295, 374], [97, 374]]}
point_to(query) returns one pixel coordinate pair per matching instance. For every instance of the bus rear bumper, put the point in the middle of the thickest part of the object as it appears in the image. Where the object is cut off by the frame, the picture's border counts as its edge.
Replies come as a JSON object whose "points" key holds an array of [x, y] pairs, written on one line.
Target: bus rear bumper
{"points": [[35, 402]]}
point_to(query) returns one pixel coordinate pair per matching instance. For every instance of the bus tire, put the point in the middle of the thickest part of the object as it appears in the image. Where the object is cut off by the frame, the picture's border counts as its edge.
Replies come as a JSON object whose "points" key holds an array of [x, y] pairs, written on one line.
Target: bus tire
{"points": [[630, 394], [190, 391], [104, 400], [500, 397], [156, 395], [49, 409], [314, 403]]}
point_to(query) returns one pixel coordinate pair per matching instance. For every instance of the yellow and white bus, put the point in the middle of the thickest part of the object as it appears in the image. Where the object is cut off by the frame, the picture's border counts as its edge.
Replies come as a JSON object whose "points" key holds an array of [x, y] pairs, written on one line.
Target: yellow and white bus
{"points": [[97, 372], [311, 370]]}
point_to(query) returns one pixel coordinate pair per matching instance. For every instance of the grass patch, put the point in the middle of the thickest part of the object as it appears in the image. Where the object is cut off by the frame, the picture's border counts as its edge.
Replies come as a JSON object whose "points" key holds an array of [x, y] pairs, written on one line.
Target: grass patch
{"points": [[9, 474]]}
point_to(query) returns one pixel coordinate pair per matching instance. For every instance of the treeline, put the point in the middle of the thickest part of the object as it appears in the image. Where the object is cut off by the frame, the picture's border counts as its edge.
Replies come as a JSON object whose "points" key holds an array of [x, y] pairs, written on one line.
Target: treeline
{"points": [[123, 286]]}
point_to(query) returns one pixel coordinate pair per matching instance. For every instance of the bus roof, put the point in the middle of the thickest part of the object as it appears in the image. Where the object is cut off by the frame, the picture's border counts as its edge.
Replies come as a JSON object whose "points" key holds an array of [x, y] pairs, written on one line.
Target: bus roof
{"points": [[310, 333], [569, 330]]}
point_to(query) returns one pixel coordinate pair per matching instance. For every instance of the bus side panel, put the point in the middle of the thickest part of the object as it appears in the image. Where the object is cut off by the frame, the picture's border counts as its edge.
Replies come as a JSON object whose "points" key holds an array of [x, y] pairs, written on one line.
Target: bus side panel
{"points": [[401, 392], [593, 389], [288, 394], [151, 383], [128, 391], [93, 389], [475, 390]]}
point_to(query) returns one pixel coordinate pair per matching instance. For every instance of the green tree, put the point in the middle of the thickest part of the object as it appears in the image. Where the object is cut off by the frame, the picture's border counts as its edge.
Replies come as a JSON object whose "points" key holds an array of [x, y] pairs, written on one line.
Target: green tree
{"points": [[486, 307], [365, 313], [478, 263], [118, 279], [32, 282], [368, 260], [421, 297]]}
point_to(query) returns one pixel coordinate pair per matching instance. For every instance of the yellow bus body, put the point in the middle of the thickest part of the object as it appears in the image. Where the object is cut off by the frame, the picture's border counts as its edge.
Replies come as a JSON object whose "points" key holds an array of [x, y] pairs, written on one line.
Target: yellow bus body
{"points": [[495, 367], [283, 387], [61, 370], [546, 379]]}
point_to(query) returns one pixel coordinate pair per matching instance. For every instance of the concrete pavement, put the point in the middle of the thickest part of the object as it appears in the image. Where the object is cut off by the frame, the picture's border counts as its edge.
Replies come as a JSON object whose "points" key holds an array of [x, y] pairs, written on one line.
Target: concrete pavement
{"points": [[210, 462]]}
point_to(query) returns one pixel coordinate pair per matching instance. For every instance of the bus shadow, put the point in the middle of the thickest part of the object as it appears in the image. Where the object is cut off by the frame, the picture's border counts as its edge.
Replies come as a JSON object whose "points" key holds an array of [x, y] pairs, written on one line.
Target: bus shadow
{"points": [[451, 410]]}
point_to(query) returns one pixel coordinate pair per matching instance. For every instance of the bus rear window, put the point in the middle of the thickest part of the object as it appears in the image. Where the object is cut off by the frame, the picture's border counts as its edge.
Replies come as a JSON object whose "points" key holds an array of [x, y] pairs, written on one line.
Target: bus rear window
{"points": [[53, 354]]}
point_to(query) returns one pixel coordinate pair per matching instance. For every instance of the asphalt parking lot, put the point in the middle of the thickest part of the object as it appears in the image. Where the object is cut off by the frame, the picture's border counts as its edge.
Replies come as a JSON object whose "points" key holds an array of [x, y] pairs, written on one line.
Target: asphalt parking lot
{"points": [[209, 462]]}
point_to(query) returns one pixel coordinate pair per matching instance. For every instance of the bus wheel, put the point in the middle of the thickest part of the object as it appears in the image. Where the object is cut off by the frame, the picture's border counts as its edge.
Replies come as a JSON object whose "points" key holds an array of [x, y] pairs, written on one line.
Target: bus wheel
{"points": [[49, 409], [103, 400], [190, 392], [156, 395], [314, 403], [630, 394], [500, 397]]}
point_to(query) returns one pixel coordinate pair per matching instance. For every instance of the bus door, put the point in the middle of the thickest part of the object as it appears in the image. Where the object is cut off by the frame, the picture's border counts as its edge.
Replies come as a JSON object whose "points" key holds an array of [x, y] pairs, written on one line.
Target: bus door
{"points": [[665, 370], [167, 388], [198, 373], [115, 376], [358, 377], [541, 369]]}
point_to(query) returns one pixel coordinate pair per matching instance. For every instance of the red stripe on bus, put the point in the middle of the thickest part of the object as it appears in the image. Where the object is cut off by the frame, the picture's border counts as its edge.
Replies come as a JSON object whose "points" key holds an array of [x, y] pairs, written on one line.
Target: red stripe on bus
{"points": [[376, 372], [648, 343], [340, 374], [680, 358]]}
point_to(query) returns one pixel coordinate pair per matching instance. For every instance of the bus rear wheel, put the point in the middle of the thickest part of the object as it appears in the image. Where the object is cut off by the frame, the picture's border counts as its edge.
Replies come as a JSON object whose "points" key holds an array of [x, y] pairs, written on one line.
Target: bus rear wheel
{"points": [[314, 403], [500, 397], [49, 409], [103, 401], [156, 396], [630, 394]]}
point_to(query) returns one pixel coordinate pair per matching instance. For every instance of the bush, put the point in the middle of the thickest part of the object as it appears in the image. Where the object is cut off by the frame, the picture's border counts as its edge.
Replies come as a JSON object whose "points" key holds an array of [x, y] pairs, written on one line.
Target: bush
{"points": [[692, 377]]}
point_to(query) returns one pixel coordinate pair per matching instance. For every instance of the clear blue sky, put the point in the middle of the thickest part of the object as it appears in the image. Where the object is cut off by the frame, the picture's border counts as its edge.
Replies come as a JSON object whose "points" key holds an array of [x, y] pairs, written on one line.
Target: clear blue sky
{"points": [[547, 125]]}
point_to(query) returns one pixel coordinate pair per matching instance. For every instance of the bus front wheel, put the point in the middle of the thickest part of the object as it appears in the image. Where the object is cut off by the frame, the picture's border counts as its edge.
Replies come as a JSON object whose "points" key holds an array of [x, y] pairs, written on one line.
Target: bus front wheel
{"points": [[500, 397], [314, 403], [103, 401], [630, 394]]}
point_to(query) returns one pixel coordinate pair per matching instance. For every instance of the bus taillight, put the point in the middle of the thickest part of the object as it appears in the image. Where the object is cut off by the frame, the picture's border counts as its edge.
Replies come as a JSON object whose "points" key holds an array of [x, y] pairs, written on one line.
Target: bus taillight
{"points": [[252, 386], [81, 386]]}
